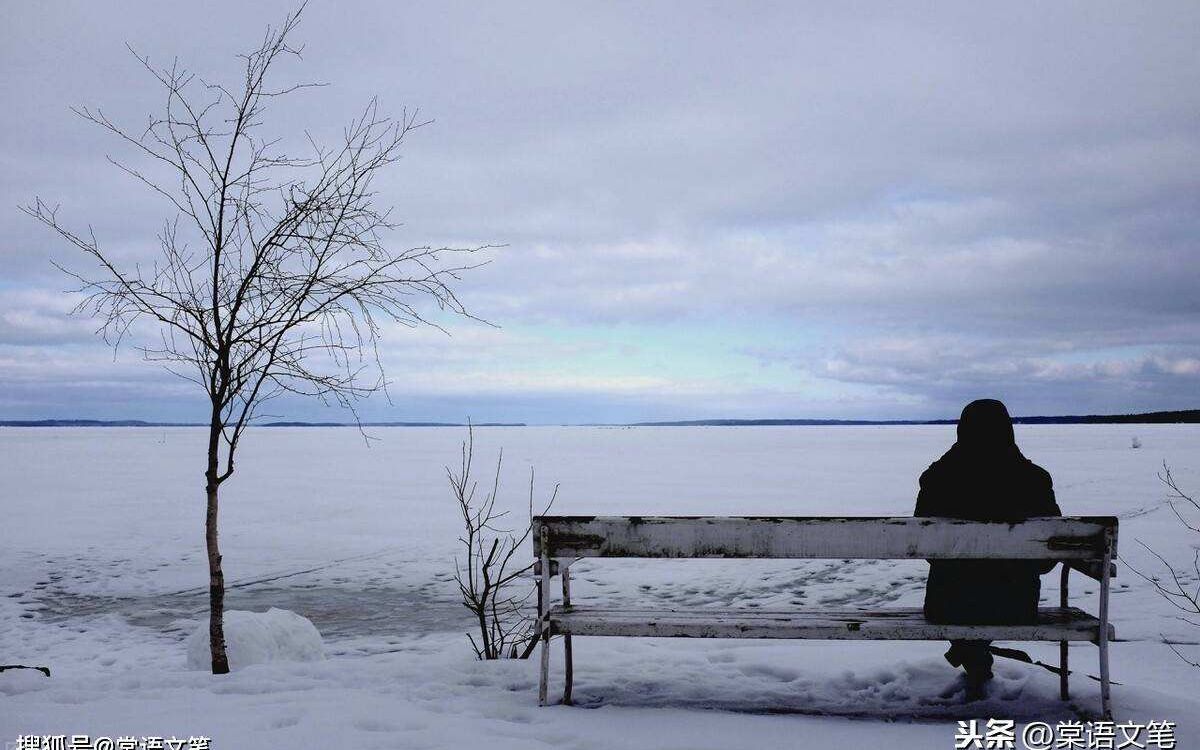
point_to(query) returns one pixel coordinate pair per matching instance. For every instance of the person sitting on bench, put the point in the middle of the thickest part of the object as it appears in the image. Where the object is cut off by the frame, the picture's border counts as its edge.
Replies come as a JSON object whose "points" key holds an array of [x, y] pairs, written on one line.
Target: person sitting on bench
{"points": [[984, 477]]}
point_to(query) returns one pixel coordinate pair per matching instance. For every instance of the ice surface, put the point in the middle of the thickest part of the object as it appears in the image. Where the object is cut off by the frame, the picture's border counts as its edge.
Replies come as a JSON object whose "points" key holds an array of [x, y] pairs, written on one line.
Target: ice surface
{"points": [[258, 638], [102, 578]]}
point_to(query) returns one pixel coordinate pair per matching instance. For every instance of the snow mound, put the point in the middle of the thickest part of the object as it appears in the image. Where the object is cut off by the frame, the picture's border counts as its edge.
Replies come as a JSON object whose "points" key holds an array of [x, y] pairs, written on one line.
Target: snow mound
{"points": [[14, 681], [257, 638]]}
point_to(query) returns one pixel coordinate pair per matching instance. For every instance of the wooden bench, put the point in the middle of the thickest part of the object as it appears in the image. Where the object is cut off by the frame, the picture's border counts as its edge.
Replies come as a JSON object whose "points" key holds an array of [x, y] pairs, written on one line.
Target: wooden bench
{"points": [[1087, 545]]}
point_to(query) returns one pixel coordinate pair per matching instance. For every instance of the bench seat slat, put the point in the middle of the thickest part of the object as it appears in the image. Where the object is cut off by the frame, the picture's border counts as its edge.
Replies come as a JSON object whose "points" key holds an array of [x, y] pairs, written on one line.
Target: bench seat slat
{"points": [[1053, 624]]}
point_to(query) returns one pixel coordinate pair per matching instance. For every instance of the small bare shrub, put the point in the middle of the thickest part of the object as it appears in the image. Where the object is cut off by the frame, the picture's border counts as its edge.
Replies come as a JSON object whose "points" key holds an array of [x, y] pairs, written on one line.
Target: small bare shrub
{"points": [[1179, 584], [494, 583]]}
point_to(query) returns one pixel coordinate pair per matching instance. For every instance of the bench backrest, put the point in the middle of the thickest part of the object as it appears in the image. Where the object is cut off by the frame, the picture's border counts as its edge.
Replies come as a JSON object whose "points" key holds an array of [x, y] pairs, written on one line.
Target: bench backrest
{"points": [[879, 538]]}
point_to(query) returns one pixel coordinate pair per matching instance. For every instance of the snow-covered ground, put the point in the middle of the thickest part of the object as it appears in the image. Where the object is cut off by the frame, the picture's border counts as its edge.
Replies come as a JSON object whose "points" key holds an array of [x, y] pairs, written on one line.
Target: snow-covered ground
{"points": [[102, 578]]}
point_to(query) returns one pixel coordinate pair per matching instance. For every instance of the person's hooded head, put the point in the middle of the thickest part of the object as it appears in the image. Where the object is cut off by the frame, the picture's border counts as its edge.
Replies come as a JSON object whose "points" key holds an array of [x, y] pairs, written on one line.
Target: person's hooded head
{"points": [[985, 428]]}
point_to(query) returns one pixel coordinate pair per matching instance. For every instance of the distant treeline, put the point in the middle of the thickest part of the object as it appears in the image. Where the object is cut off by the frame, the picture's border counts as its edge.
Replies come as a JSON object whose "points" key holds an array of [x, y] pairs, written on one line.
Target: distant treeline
{"points": [[141, 423], [90, 423], [1188, 416], [392, 424]]}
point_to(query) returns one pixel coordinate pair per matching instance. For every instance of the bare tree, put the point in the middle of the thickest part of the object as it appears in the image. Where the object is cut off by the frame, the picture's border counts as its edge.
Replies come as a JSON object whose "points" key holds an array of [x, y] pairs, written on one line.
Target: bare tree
{"points": [[487, 578], [272, 276], [1179, 585]]}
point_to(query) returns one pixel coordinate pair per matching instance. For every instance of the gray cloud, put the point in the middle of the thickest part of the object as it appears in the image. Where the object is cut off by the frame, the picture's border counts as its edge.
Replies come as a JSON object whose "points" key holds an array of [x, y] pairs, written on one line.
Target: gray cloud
{"points": [[951, 197]]}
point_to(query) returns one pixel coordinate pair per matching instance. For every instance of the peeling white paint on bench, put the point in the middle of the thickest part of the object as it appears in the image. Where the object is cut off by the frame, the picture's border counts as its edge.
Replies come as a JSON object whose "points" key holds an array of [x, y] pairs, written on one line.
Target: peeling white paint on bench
{"points": [[899, 624], [1086, 544], [825, 538]]}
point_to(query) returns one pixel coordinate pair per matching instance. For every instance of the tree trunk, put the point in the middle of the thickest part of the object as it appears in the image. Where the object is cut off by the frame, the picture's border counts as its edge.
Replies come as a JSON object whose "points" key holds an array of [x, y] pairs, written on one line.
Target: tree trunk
{"points": [[485, 643], [216, 577]]}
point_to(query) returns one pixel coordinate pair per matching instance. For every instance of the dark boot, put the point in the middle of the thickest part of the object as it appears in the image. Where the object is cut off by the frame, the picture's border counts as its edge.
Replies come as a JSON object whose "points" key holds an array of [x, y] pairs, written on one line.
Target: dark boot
{"points": [[975, 658]]}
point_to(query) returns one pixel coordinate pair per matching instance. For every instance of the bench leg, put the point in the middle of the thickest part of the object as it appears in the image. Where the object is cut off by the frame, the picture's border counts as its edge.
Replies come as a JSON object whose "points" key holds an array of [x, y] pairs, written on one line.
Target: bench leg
{"points": [[544, 572], [1105, 689], [544, 679], [569, 667], [1064, 676], [570, 670], [1102, 641]]}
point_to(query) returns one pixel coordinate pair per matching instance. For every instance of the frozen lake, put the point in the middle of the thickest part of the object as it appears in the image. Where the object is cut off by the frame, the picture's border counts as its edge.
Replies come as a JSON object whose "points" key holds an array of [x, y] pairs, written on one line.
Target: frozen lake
{"points": [[361, 537], [103, 563]]}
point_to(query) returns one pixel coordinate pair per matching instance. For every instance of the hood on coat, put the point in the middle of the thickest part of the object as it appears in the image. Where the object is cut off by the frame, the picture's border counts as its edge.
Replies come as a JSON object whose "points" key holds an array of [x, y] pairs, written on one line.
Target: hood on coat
{"points": [[986, 428]]}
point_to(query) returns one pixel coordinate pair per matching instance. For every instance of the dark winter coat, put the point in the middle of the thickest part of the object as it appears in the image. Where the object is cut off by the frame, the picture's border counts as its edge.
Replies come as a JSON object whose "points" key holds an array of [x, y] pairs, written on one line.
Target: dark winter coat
{"points": [[984, 477]]}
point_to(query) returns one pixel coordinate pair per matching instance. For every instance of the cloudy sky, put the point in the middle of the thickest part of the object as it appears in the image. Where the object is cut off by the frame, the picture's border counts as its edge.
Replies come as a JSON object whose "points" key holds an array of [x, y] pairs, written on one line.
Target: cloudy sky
{"points": [[708, 210]]}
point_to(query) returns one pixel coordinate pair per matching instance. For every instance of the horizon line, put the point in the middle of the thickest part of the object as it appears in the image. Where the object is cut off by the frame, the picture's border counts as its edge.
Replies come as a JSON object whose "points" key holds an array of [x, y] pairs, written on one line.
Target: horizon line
{"points": [[1181, 416]]}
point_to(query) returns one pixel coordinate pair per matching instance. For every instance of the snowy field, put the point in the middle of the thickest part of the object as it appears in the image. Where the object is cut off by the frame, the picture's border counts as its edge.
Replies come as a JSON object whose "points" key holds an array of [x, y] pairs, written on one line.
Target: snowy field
{"points": [[102, 578]]}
